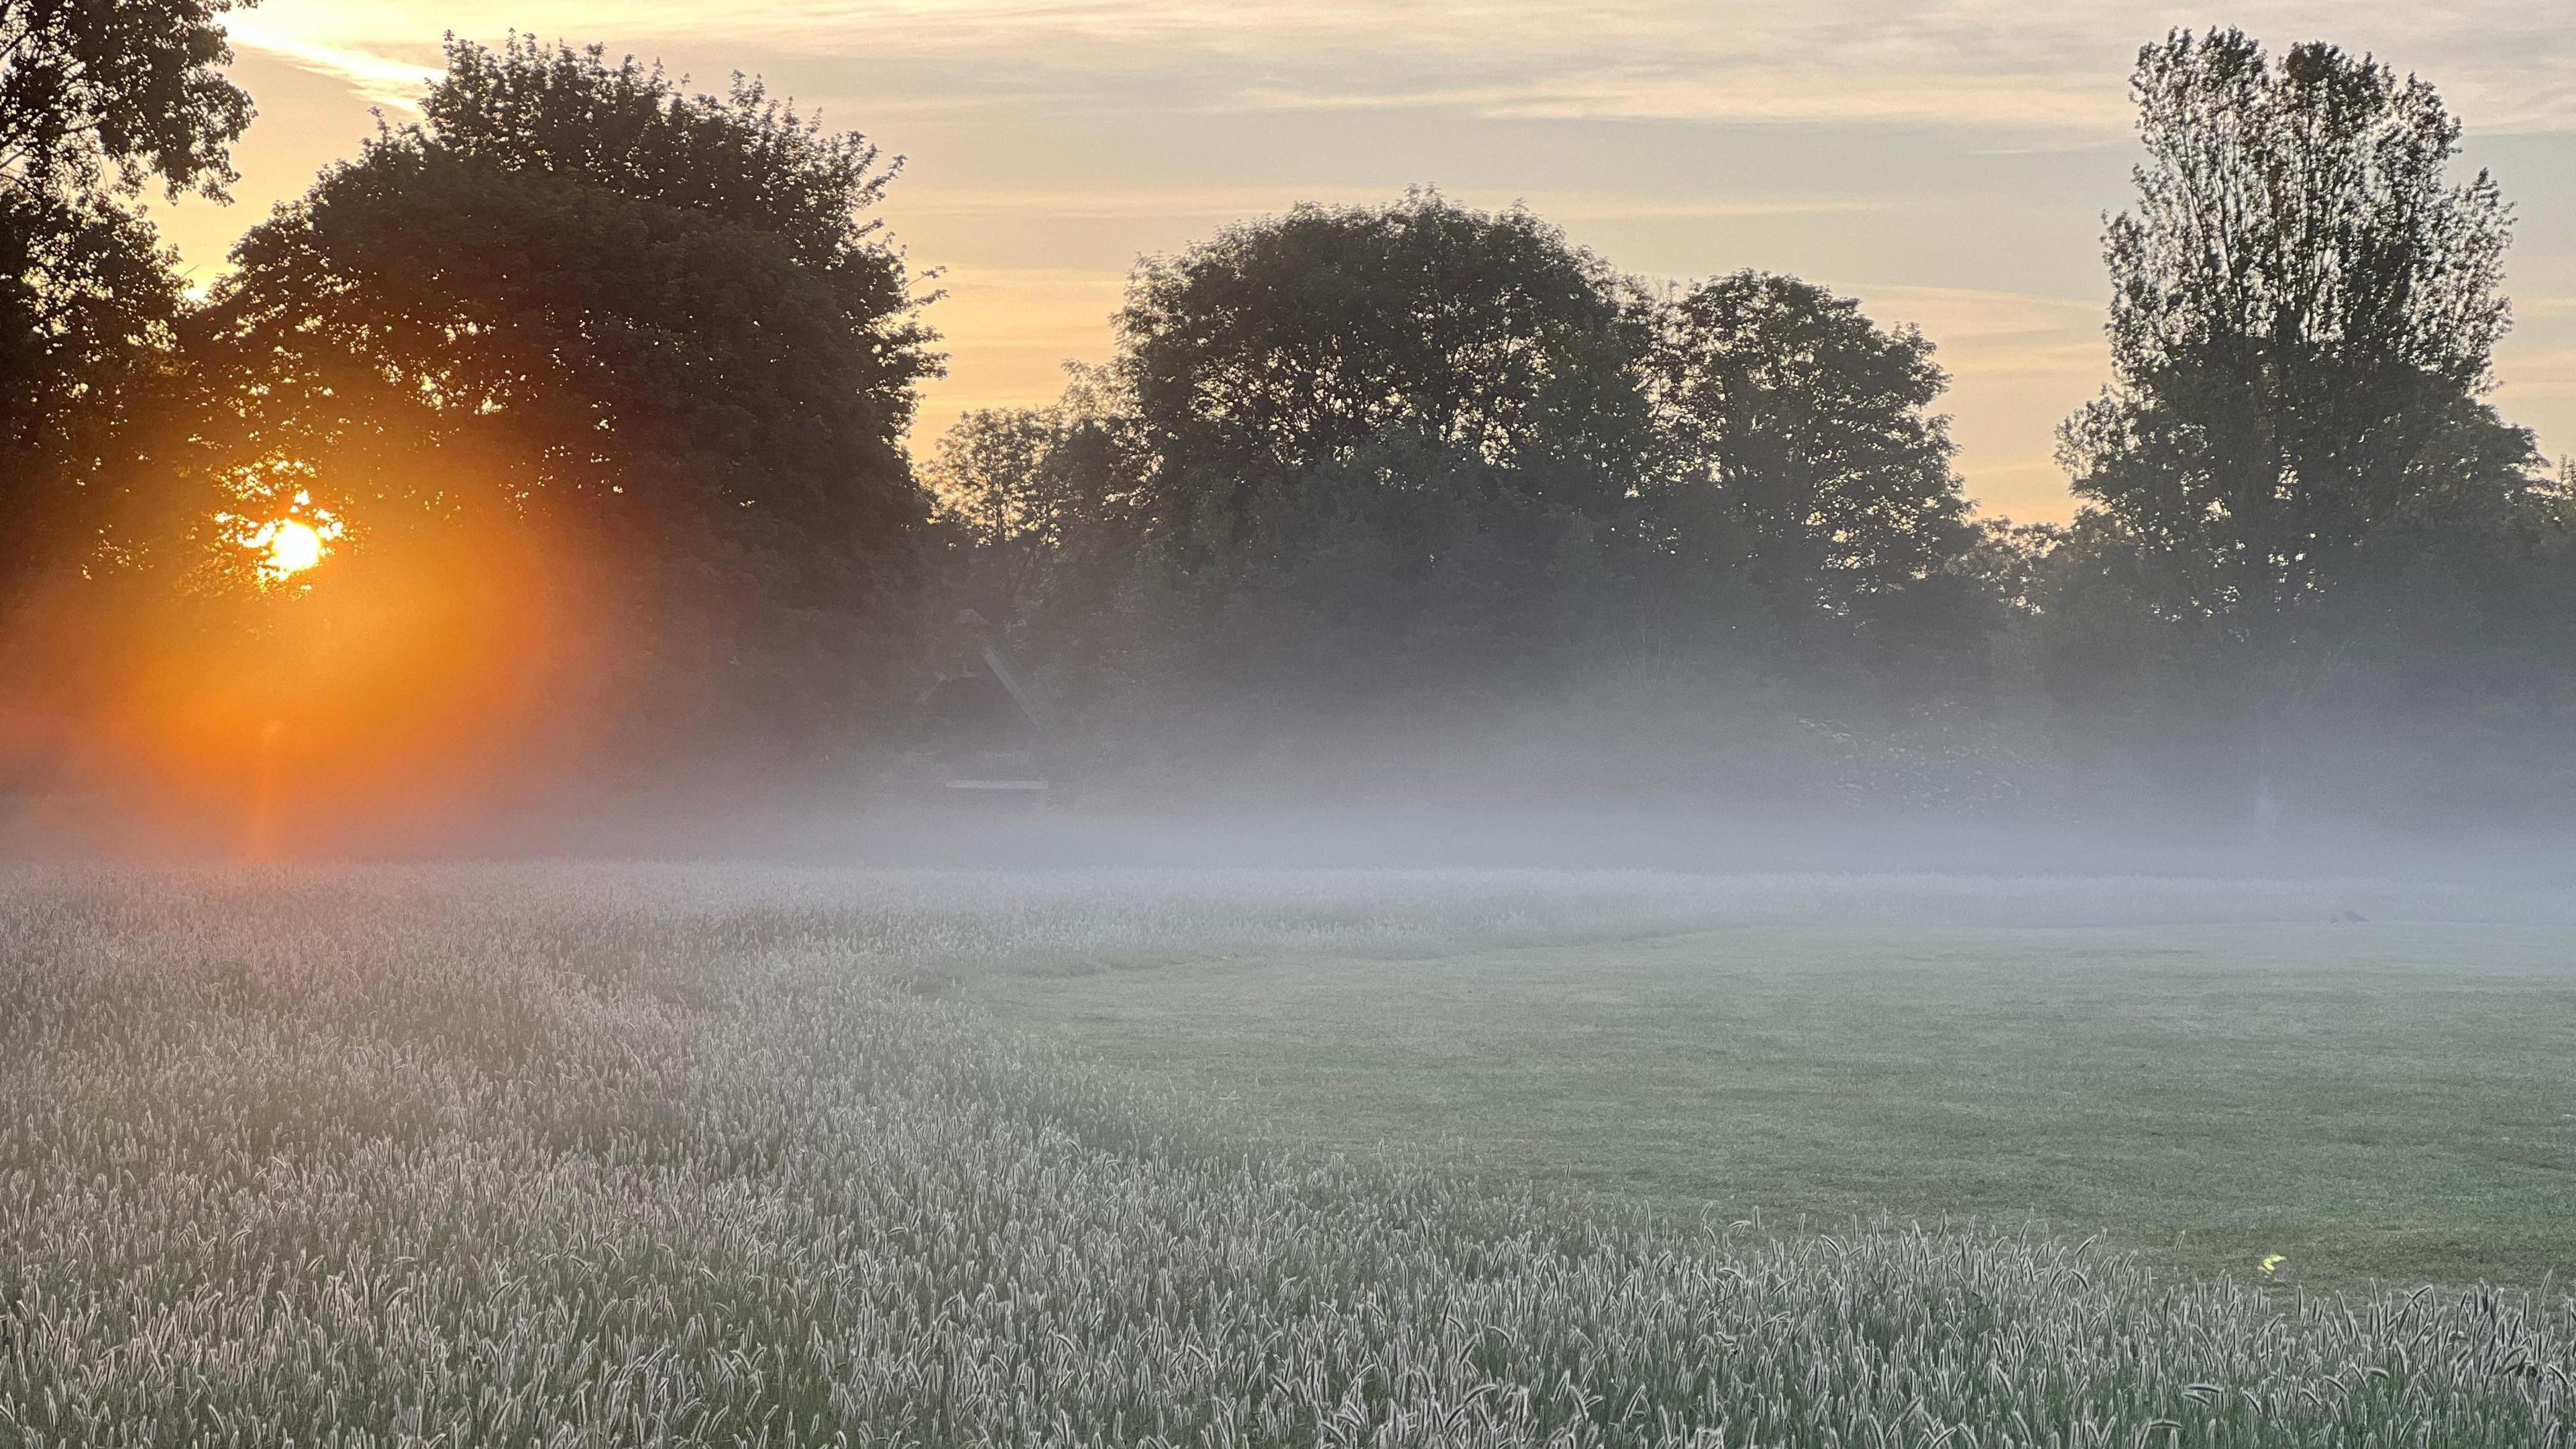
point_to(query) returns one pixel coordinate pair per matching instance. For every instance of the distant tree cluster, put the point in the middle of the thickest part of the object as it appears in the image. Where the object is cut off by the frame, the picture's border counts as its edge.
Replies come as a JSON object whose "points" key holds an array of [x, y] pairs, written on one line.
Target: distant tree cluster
{"points": [[1401, 467], [1375, 457], [648, 344], [1384, 459], [659, 325]]}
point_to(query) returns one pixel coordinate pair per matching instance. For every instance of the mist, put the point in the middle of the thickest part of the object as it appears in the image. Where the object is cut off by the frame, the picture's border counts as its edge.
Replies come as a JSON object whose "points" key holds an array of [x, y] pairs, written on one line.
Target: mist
{"points": [[1456, 846]]}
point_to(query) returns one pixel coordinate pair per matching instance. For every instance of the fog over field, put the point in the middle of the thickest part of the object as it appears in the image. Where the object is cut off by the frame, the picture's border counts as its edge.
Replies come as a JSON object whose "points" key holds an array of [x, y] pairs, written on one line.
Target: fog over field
{"points": [[1455, 840], [698, 1155]]}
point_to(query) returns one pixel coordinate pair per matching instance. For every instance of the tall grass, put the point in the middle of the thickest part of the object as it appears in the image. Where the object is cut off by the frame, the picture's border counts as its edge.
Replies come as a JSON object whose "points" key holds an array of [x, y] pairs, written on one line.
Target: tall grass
{"points": [[664, 1157]]}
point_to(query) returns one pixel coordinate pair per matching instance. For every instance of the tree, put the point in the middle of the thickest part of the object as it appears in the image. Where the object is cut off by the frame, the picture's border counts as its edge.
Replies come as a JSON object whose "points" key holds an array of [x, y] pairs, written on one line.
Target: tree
{"points": [[89, 303], [661, 323], [1294, 344], [1356, 457], [1002, 473], [1352, 454], [135, 88], [96, 101], [1811, 429], [2309, 546], [2304, 313]]}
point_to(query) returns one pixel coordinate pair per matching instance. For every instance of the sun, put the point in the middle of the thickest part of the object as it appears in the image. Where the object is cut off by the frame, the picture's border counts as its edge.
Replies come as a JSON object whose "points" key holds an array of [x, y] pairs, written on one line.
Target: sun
{"points": [[286, 547], [293, 547]]}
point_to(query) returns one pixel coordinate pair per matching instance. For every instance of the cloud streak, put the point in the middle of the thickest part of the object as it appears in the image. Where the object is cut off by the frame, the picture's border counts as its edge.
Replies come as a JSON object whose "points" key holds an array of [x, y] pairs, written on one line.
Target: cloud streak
{"points": [[1231, 203], [2036, 65]]}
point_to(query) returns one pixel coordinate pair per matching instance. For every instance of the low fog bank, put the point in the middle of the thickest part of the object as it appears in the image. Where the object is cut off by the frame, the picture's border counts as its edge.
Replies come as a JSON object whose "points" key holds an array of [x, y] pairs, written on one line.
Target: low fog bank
{"points": [[1688, 795], [2177, 858], [1717, 789], [1185, 896]]}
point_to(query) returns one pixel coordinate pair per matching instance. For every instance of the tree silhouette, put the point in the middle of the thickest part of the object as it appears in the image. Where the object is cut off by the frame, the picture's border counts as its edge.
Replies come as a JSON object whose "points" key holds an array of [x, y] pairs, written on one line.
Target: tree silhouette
{"points": [[1296, 343], [2304, 526], [2304, 314], [1812, 428], [662, 322], [1353, 456], [96, 102]]}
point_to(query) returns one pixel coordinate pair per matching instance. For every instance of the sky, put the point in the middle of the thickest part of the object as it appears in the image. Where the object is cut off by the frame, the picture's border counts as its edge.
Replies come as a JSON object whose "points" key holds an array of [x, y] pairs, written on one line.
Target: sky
{"points": [[1948, 164]]}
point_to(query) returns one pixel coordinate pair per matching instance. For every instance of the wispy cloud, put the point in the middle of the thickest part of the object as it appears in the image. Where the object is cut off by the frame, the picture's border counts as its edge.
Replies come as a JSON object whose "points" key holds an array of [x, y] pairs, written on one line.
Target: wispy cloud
{"points": [[1228, 203], [2002, 334], [1724, 95], [377, 67], [2037, 65], [2535, 374]]}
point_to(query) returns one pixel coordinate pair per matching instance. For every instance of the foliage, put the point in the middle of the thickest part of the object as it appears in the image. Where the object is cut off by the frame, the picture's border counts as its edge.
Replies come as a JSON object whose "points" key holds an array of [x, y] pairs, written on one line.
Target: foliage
{"points": [[1813, 428], [1287, 346], [135, 88], [1364, 460], [1410, 465], [1808, 432], [96, 100], [2304, 314], [1005, 475], [659, 323], [2298, 503], [89, 304]]}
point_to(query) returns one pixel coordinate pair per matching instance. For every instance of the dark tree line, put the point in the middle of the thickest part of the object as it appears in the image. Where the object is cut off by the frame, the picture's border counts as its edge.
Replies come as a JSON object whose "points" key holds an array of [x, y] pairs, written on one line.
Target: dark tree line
{"points": [[1409, 467], [577, 331], [1392, 457], [658, 325]]}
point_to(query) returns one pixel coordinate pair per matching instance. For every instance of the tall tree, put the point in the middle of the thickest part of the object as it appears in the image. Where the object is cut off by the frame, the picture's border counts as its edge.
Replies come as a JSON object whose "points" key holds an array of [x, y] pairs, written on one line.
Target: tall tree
{"points": [[1811, 431], [662, 322], [1298, 342], [2313, 562], [1355, 452], [1003, 473], [97, 101], [2304, 314]]}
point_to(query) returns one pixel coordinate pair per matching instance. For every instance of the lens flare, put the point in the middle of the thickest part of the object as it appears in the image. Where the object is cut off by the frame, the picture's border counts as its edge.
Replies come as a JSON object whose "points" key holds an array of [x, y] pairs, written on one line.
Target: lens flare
{"points": [[290, 547], [293, 546]]}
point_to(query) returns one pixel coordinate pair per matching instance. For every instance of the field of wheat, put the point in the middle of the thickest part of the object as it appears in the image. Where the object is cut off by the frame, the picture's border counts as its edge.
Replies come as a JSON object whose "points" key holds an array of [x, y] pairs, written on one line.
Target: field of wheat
{"points": [[657, 1156]]}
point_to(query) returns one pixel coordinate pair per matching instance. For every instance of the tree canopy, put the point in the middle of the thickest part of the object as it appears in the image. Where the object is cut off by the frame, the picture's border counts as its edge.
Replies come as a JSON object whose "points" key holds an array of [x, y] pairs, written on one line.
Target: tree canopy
{"points": [[584, 352], [96, 102], [2304, 316], [2304, 529], [135, 88], [1812, 427], [1297, 343], [658, 321], [1353, 455]]}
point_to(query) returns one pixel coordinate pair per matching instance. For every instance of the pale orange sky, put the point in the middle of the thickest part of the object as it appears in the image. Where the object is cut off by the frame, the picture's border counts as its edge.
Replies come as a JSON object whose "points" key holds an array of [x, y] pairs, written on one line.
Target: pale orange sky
{"points": [[1946, 163]]}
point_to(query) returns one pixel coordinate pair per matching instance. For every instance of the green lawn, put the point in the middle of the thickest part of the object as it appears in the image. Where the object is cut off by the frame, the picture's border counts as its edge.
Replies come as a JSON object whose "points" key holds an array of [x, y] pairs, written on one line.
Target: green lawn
{"points": [[2372, 1101]]}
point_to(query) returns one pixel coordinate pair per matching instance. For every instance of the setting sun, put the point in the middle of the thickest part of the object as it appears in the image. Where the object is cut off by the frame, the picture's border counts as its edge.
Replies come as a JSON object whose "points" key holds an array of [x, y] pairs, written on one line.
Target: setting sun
{"points": [[292, 547], [289, 546]]}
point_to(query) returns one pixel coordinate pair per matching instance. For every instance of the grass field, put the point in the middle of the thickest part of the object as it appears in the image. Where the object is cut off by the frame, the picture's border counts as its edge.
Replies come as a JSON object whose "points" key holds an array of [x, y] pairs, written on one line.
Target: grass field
{"points": [[2366, 1100], [592, 1156]]}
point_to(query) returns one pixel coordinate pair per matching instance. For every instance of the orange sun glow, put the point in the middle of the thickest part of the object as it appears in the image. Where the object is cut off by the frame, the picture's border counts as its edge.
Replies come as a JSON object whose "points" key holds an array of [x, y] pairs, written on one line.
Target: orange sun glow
{"points": [[288, 546]]}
